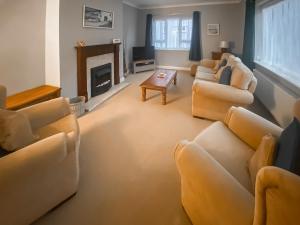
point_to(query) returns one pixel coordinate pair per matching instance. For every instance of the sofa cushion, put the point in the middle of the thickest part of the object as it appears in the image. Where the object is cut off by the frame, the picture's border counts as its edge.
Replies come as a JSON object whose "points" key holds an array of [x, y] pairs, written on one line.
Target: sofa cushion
{"points": [[225, 76], [15, 129], [232, 61], [67, 125], [205, 69], [205, 76], [219, 73], [3, 152], [241, 77], [263, 156], [223, 62], [228, 150], [217, 66], [288, 150]]}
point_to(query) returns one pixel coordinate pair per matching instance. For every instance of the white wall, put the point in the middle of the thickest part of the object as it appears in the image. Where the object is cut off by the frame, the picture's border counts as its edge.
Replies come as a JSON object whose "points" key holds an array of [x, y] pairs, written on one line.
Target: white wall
{"points": [[52, 57], [22, 52], [71, 31], [130, 31], [231, 18]]}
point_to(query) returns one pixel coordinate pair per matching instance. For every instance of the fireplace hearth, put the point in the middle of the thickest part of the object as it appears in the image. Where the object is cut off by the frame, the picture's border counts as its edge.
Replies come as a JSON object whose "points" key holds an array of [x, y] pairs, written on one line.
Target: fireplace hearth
{"points": [[101, 79]]}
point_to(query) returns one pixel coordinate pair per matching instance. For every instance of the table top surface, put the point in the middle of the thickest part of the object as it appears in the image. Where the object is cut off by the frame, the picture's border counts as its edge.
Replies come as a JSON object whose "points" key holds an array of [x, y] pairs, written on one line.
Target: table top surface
{"points": [[154, 81], [24, 97]]}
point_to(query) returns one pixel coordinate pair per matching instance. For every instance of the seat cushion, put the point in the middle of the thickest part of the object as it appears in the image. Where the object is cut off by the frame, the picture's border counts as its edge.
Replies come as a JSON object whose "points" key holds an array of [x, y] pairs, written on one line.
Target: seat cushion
{"points": [[205, 69], [232, 153], [205, 76], [67, 124]]}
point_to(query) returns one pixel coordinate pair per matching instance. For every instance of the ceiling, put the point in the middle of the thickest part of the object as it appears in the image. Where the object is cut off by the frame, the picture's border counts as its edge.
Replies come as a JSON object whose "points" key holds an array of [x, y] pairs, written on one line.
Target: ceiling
{"points": [[166, 3]]}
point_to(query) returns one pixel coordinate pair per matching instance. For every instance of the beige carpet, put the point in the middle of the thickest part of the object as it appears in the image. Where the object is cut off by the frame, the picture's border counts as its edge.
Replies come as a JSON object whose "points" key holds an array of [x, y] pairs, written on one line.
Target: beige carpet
{"points": [[127, 171]]}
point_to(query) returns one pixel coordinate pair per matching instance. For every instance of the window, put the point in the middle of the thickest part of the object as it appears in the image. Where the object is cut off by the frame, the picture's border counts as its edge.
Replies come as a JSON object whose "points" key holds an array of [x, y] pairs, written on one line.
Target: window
{"points": [[277, 38], [172, 33]]}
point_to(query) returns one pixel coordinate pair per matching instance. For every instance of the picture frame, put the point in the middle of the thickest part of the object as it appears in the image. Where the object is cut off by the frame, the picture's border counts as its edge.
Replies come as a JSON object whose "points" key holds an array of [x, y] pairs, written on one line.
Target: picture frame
{"points": [[213, 29], [97, 18]]}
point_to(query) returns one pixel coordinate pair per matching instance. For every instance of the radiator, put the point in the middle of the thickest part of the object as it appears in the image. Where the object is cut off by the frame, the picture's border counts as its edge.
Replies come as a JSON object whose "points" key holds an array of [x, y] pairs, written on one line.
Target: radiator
{"points": [[276, 98]]}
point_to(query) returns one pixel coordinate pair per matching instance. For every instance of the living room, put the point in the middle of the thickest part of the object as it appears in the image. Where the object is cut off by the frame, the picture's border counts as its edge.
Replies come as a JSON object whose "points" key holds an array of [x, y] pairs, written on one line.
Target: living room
{"points": [[149, 112]]}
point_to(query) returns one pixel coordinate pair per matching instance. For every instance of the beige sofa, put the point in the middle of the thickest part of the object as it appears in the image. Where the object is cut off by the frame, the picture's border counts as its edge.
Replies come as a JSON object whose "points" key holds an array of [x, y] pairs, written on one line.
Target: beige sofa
{"points": [[35, 179], [212, 100], [216, 187]]}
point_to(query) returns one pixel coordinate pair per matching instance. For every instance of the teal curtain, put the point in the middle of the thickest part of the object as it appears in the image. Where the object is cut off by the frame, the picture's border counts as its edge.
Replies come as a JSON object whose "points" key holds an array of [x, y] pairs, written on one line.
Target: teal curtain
{"points": [[148, 41], [249, 35], [195, 50]]}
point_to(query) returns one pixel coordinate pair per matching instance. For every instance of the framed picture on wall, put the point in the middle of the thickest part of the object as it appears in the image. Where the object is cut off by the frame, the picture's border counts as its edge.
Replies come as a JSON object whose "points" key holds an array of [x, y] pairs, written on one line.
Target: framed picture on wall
{"points": [[97, 18], [213, 29]]}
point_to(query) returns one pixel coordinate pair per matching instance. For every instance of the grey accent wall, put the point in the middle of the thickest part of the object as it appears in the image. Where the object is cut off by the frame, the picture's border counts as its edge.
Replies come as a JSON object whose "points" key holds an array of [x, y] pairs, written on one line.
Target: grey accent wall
{"points": [[22, 38], [71, 31], [231, 18], [130, 30]]}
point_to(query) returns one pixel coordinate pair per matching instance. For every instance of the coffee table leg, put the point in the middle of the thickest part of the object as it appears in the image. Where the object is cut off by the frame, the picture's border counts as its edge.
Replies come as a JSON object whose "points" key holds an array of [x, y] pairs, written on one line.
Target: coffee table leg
{"points": [[164, 97], [143, 94], [175, 79]]}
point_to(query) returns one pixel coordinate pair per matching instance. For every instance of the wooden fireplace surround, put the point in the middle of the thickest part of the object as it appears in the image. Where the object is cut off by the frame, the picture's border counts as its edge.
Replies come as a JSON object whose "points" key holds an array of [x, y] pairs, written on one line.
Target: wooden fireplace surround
{"points": [[85, 52]]}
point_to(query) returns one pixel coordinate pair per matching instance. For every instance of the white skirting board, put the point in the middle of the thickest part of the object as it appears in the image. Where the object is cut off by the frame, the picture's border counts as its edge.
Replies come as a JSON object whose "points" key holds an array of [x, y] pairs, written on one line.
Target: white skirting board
{"points": [[96, 101], [173, 68]]}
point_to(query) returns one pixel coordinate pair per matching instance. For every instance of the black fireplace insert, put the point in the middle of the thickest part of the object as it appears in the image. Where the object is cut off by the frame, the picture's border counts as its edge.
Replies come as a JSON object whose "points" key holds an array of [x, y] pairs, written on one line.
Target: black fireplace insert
{"points": [[101, 79]]}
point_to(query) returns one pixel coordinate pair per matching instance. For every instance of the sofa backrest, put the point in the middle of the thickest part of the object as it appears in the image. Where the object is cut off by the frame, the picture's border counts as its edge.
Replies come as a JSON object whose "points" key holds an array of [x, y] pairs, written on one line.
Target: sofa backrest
{"points": [[249, 126], [232, 60], [2, 97], [253, 84], [242, 77], [226, 56]]}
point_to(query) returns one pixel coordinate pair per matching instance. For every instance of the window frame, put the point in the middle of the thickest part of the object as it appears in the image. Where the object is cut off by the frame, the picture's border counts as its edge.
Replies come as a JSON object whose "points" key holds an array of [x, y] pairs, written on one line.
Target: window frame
{"points": [[165, 41], [283, 76]]}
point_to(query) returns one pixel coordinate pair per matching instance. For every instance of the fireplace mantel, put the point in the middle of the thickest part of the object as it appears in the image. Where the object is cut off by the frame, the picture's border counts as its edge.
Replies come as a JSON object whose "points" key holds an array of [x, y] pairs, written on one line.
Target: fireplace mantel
{"points": [[85, 52]]}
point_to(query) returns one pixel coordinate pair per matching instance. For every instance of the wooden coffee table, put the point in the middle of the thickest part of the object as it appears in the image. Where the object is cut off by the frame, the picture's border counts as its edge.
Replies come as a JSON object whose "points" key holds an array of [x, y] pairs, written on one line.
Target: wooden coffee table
{"points": [[159, 83]]}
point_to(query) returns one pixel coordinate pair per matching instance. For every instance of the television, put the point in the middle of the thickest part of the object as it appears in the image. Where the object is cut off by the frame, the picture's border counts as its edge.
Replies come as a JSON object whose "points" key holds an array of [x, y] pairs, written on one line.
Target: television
{"points": [[141, 53]]}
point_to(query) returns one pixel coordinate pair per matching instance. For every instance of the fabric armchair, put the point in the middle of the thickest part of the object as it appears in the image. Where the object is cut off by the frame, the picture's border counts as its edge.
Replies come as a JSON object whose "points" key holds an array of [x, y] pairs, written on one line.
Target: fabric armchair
{"points": [[38, 177], [210, 194], [277, 197], [215, 180]]}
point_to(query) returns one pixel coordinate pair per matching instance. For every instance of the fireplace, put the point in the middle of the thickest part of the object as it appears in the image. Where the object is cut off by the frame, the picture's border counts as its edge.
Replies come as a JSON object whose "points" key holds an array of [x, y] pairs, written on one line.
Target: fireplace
{"points": [[85, 52], [101, 79]]}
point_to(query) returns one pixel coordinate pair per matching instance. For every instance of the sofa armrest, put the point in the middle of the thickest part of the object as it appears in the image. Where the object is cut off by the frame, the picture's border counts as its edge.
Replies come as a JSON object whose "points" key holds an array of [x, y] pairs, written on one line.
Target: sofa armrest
{"points": [[47, 112], [223, 92], [277, 197], [32, 158], [215, 189], [210, 63], [250, 127]]}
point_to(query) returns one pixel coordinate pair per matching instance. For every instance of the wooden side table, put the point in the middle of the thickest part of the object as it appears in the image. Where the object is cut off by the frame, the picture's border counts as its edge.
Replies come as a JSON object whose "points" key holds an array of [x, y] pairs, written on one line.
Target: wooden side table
{"points": [[216, 55], [32, 96]]}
